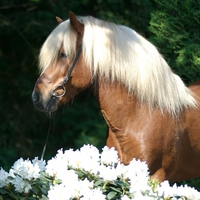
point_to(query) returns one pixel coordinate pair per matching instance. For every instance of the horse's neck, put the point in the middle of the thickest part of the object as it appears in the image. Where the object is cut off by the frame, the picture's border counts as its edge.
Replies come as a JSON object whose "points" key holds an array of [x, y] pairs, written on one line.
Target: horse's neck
{"points": [[119, 110], [116, 105], [127, 118]]}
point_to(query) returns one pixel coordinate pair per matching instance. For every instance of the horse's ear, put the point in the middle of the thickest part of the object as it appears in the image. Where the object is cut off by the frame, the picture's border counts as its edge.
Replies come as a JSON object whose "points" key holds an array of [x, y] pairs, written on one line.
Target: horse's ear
{"points": [[59, 20], [75, 23]]}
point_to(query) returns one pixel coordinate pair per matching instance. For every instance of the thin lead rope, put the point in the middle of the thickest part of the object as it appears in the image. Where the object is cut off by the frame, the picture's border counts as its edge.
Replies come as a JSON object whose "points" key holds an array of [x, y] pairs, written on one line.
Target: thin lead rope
{"points": [[47, 138]]}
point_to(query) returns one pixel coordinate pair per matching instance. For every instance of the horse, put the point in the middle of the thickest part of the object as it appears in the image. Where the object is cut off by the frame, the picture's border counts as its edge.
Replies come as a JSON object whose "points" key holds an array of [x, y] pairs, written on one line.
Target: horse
{"points": [[151, 114]]}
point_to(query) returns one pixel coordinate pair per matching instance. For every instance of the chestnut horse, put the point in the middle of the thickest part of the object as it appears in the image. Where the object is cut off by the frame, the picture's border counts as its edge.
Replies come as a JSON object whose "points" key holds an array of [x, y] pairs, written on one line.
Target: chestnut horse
{"points": [[150, 113]]}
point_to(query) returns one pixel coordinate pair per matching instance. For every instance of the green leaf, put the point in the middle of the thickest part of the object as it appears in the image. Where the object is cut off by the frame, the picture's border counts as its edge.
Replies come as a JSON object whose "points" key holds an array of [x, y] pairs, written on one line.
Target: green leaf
{"points": [[3, 191], [80, 174], [32, 198], [116, 189], [122, 184], [99, 182], [35, 190], [43, 198], [56, 182], [45, 177], [111, 195], [44, 190]]}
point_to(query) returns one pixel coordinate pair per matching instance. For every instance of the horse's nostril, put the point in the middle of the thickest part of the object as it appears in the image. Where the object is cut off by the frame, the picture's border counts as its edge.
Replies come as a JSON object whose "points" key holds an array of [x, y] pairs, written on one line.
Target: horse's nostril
{"points": [[35, 96]]}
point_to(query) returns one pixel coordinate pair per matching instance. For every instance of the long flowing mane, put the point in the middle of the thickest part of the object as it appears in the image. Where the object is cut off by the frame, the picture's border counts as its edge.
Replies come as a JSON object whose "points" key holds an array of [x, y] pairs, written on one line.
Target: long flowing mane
{"points": [[120, 54]]}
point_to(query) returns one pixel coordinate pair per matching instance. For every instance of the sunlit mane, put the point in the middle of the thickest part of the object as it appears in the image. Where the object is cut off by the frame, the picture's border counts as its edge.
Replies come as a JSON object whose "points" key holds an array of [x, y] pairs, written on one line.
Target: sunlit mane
{"points": [[119, 53], [62, 35]]}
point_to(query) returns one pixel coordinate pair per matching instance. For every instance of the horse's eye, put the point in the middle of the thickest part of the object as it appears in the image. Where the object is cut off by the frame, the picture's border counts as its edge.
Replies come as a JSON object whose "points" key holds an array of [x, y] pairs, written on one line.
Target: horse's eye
{"points": [[63, 55]]}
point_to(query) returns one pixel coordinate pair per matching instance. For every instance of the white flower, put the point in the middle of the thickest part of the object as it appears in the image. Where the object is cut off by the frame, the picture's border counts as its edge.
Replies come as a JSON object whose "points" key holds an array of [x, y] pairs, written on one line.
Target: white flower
{"points": [[31, 171], [189, 192], [109, 156], [137, 172], [139, 196], [21, 185], [85, 159], [89, 159], [75, 190], [59, 192], [83, 189], [68, 178], [41, 163], [166, 190], [16, 167], [137, 167], [105, 166], [25, 169], [121, 170], [107, 173], [3, 178], [52, 167], [57, 166], [93, 194], [91, 152], [22, 172], [125, 197]]}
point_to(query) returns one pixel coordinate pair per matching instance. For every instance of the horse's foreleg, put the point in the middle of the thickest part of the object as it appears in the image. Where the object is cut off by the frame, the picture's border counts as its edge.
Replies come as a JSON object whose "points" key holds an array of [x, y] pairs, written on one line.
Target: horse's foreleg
{"points": [[159, 175], [111, 141]]}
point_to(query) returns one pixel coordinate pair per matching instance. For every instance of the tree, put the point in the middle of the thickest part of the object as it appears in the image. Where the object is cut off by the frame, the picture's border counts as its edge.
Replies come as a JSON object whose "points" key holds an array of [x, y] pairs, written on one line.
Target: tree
{"points": [[175, 28]]}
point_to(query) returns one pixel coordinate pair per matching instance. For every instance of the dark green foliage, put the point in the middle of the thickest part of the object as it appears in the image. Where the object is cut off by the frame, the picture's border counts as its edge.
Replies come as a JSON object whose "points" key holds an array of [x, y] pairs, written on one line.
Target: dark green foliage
{"points": [[195, 183], [176, 29]]}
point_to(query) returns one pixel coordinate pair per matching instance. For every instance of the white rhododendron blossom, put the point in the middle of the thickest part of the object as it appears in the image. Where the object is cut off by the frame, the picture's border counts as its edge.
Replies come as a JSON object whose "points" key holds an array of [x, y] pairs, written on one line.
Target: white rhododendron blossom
{"points": [[107, 173], [167, 191], [41, 163], [21, 185], [90, 158], [86, 174], [138, 177], [3, 178], [26, 169], [109, 156]]}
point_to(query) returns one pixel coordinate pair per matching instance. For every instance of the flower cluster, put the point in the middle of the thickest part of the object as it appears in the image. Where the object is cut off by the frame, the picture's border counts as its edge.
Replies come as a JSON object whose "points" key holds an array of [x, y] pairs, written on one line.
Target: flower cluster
{"points": [[21, 174], [86, 174]]}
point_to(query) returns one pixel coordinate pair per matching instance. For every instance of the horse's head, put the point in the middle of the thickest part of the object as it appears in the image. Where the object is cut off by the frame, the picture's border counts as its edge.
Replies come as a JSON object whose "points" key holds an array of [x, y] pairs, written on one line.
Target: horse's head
{"points": [[64, 73]]}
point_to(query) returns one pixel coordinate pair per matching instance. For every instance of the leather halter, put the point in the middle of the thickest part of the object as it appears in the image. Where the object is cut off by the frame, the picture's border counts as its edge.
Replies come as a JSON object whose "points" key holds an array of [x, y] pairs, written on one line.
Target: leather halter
{"points": [[62, 85]]}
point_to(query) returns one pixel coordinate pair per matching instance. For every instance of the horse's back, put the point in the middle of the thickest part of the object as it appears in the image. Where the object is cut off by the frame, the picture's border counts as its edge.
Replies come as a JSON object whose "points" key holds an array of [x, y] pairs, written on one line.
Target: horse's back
{"points": [[195, 87]]}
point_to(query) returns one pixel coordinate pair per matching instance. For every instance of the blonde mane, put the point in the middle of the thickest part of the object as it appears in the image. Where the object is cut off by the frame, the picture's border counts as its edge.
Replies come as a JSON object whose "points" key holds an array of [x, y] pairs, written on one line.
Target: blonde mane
{"points": [[118, 53]]}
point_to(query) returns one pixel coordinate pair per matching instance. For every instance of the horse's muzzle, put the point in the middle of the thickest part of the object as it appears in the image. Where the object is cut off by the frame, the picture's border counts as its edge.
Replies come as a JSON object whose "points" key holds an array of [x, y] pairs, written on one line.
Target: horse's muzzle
{"points": [[48, 104]]}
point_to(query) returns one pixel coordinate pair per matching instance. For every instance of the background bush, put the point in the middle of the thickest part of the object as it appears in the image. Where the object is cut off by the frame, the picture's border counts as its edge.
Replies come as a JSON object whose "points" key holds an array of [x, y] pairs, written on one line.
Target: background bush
{"points": [[176, 29]]}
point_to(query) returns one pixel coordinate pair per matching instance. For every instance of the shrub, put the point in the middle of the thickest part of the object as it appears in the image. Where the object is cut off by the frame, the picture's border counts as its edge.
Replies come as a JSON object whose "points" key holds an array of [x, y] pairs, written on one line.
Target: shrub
{"points": [[176, 29], [85, 174]]}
